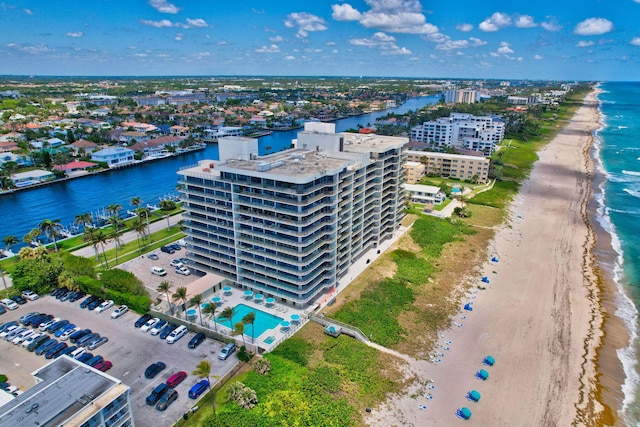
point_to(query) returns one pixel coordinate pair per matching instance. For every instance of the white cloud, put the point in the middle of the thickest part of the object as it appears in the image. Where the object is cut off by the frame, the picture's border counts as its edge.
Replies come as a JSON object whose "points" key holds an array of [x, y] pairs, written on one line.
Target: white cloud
{"points": [[32, 49], [198, 22], [330, 43], [495, 22], [636, 40], [538, 57], [163, 6], [290, 58], [585, 43], [276, 39], [551, 24], [525, 21], [345, 12], [460, 44], [269, 49], [593, 27], [179, 37], [394, 16], [505, 50], [28, 11], [305, 22], [464, 27], [475, 42], [222, 43], [76, 34], [164, 23], [382, 41]]}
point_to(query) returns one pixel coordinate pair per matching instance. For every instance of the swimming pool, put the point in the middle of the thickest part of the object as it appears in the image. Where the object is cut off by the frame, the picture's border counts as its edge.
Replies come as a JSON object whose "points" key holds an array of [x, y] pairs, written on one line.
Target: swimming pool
{"points": [[263, 320]]}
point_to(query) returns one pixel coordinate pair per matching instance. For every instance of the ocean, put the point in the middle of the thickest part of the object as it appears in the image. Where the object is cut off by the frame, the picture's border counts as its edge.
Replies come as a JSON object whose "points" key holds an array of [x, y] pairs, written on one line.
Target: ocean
{"points": [[617, 153]]}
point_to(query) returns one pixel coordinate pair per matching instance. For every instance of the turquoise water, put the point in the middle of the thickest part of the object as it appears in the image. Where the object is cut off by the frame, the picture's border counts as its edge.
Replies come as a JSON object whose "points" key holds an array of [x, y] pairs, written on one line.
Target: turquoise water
{"points": [[617, 146], [263, 320], [269, 339]]}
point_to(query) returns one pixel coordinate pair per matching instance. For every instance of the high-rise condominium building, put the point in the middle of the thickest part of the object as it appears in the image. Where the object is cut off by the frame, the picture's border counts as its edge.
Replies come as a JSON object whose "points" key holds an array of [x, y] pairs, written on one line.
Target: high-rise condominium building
{"points": [[289, 225]]}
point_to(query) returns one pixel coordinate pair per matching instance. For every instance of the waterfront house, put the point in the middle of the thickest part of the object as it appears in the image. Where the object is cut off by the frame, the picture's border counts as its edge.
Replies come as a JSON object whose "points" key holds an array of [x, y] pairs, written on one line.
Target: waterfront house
{"points": [[425, 194], [158, 146], [23, 179], [114, 156], [128, 136], [74, 168], [84, 145]]}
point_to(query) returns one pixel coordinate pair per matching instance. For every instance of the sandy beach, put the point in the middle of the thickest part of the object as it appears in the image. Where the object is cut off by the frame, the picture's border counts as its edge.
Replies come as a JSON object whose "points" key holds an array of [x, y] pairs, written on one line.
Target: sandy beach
{"points": [[538, 316]]}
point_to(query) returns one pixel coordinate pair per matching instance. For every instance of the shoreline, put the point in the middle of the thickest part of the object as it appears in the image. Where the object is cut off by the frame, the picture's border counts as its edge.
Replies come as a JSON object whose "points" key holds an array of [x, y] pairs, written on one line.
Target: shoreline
{"points": [[540, 316]]}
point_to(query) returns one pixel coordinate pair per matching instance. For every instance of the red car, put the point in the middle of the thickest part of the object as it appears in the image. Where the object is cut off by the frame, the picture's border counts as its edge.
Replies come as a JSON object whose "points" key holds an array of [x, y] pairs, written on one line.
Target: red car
{"points": [[104, 366], [176, 379]]}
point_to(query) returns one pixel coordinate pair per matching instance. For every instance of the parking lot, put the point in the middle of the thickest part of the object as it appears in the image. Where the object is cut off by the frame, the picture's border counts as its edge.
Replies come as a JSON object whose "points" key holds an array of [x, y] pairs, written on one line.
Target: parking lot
{"points": [[130, 351]]}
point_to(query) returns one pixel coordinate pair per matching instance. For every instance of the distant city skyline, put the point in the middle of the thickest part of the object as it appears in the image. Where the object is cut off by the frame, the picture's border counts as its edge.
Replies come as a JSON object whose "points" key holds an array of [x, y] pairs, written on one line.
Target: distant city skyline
{"points": [[564, 40]]}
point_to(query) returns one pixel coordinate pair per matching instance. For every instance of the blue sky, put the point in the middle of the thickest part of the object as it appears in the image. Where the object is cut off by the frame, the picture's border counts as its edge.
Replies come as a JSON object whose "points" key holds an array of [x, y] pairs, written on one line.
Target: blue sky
{"points": [[561, 39]]}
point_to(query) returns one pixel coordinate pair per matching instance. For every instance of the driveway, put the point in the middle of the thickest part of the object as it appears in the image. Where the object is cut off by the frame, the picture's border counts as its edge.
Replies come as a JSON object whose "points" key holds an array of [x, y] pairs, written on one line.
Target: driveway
{"points": [[130, 351]]}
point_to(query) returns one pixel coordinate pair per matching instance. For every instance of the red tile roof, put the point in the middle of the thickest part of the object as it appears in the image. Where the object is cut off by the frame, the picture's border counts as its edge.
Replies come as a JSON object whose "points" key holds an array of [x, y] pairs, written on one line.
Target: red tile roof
{"points": [[74, 166]]}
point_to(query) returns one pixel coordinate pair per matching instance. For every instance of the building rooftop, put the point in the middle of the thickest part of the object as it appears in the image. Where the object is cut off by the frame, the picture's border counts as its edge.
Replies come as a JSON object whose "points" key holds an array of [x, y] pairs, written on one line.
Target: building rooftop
{"points": [[64, 388]]}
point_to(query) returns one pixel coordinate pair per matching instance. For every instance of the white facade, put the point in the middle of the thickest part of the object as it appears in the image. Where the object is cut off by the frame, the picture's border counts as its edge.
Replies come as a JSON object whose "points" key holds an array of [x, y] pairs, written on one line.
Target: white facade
{"points": [[115, 156]]}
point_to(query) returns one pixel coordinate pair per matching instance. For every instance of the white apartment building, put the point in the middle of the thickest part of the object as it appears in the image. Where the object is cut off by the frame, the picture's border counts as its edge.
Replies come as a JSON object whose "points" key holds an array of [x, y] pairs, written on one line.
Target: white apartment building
{"points": [[290, 224], [480, 133], [451, 165], [465, 96]]}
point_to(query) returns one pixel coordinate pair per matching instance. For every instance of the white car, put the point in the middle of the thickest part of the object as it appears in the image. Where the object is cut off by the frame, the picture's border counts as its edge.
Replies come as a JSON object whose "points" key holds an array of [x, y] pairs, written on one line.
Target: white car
{"points": [[65, 336], [32, 337], [78, 352], [183, 270], [45, 325], [31, 296], [7, 331], [22, 336], [105, 305], [149, 324], [119, 311], [176, 263], [9, 304]]}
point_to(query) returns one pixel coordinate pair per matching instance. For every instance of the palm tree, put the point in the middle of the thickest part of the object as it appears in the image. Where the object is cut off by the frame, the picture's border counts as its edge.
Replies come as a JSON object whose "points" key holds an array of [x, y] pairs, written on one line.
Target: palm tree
{"points": [[210, 311], [10, 241], [165, 287], [83, 219], [51, 228], [181, 295], [197, 300], [238, 329], [114, 208], [115, 234], [31, 236], [203, 370], [136, 201], [249, 319], [227, 314], [145, 211], [97, 237], [139, 227]]}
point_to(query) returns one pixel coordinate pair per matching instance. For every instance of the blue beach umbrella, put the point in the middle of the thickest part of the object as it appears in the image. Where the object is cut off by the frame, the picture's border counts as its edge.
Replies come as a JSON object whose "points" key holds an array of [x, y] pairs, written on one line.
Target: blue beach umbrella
{"points": [[489, 361], [482, 374], [473, 395]]}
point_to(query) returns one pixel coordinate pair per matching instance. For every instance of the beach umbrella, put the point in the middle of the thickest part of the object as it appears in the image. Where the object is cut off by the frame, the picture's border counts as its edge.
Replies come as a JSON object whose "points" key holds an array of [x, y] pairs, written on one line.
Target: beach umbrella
{"points": [[227, 290], [269, 301], [473, 395], [482, 374], [248, 294], [295, 317], [464, 413], [468, 307], [485, 279], [285, 324], [489, 361]]}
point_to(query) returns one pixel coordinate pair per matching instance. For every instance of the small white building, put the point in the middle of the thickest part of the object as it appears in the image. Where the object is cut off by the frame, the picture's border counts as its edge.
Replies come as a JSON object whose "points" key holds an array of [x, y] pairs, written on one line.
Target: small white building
{"points": [[114, 156], [31, 177], [424, 193]]}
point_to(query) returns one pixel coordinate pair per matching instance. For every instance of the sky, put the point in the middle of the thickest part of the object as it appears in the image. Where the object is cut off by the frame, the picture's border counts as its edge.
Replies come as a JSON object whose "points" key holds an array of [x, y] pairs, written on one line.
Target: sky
{"points": [[544, 39]]}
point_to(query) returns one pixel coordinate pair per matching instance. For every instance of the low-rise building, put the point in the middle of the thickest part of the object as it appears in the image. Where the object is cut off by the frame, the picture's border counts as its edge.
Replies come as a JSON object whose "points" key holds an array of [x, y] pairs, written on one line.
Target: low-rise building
{"points": [[447, 165], [23, 179], [413, 172], [425, 194], [70, 393], [114, 156]]}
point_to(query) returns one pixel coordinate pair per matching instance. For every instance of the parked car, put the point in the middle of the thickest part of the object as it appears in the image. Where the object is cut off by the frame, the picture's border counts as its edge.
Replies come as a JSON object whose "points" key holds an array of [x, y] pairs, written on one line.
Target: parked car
{"points": [[175, 263], [142, 320], [10, 329], [177, 333], [27, 316], [88, 300], [57, 291], [55, 349], [15, 332], [94, 360], [183, 270], [196, 340], [119, 311], [36, 321], [92, 305], [31, 296], [149, 324], [226, 351], [176, 379], [37, 342], [56, 325], [84, 357], [44, 325], [167, 399], [175, 246], [65, 296], [7, 325], [76, 296], [104, 366], [82, 342], [158, 271], [32, 338], [18, 339], [158, 327], [42, 348], [2, 310], [8, 304], [60, 331], [156, 394], [167, 249], [97, 343], [153, 370], [68, 332], [198, 389], [104, 306], [67, 351], [19, 300], [167, 330], [153, 256], [78, 352], [79, 334]]}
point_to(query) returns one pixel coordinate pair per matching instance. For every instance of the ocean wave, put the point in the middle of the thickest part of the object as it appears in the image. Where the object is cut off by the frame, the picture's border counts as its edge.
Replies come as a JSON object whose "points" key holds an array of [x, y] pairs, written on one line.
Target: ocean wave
{"points": [[631, 192], [632, 173], [618, 178], [633, 212]]}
